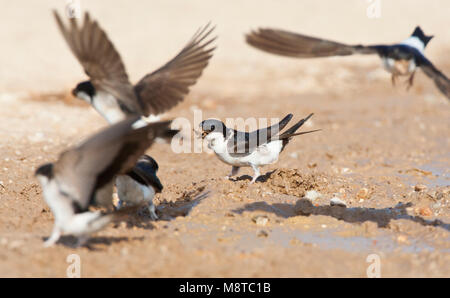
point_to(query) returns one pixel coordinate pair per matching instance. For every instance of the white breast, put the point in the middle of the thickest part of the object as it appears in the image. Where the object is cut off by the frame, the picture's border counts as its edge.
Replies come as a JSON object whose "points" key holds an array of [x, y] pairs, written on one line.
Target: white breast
{"points": [[60, 206], [132, 192], [266, 154], [399, 67], [108, 107]]}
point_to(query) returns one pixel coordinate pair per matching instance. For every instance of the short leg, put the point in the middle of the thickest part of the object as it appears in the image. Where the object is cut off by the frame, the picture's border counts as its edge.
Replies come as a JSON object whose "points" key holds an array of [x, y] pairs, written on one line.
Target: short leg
{"points": [[256, 175], [410, 81], [234, 171], [152, 210], [393, 79], [54, 237]]}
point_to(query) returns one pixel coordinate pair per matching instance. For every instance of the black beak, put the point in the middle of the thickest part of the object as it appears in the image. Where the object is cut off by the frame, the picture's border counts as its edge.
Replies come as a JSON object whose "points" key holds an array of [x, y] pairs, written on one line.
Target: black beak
{"points": [[201, 134], [74, 92]]}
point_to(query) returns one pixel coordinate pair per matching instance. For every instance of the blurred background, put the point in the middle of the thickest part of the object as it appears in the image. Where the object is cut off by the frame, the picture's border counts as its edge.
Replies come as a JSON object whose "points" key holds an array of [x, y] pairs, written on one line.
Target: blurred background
{"points": [[35, 57], [382, 150]]}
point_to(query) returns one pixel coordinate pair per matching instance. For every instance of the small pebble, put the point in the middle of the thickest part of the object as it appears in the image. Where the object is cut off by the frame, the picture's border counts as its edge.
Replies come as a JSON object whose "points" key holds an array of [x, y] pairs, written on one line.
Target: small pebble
{"points": [[337, 202], [312, 165], [262, 233], [362, 193], [261, 220], [124, 251], [440, 195], [312, 195], [402, 239], [420, 187], [345, 171], [425, 211]]}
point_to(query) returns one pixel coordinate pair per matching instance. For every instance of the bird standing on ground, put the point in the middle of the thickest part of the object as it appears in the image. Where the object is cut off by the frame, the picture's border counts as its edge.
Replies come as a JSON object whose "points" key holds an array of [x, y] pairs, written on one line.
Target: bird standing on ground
{"points": [[83, 176], [140, 184], [249, 149]]}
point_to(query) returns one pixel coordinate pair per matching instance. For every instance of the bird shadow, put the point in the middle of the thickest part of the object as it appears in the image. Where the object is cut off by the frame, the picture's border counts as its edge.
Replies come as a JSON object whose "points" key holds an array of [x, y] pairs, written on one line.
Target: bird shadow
{"points": [[168, 210], [262, 178], [94, 243], [382, 217], [141, 220]]}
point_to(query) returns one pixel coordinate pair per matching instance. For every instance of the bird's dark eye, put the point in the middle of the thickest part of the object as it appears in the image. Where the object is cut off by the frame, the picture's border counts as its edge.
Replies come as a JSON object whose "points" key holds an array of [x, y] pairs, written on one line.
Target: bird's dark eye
{"points": [[213, 127]]}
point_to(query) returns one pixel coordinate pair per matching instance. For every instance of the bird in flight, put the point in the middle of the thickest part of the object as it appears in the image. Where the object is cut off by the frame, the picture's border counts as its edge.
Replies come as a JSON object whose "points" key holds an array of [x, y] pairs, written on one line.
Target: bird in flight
{"points": [[83, 176], [400, 59], [109, 90]]}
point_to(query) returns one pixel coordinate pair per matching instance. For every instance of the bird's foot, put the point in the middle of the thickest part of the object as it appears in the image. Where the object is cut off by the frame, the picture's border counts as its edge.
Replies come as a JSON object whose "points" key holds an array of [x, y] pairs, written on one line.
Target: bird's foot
{"points": [[393, 80], [50, 242], [254, 179], [152, 211], [410, 82], [54, 237]]}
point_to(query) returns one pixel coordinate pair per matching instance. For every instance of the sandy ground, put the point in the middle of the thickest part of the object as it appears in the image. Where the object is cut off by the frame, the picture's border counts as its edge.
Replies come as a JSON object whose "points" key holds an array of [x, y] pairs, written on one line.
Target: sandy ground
{"points": [[383, 151]]}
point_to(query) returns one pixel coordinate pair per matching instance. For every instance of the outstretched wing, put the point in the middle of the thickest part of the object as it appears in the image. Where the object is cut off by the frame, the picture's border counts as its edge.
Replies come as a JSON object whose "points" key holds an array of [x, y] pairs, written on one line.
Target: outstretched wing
{"points": [[168, 85], [100, 60], [291, 44], [114, 150], [440, 80]]}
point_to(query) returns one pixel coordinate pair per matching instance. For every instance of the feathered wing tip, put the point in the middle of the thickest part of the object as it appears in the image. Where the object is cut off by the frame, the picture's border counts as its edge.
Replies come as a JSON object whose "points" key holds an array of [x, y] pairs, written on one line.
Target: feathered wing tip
{"points": [[302, 133], [418, 32], [168, 85], [124, 213], [291, 132], [161, 129], [285, 43], [276, 128], [295, 127]]}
